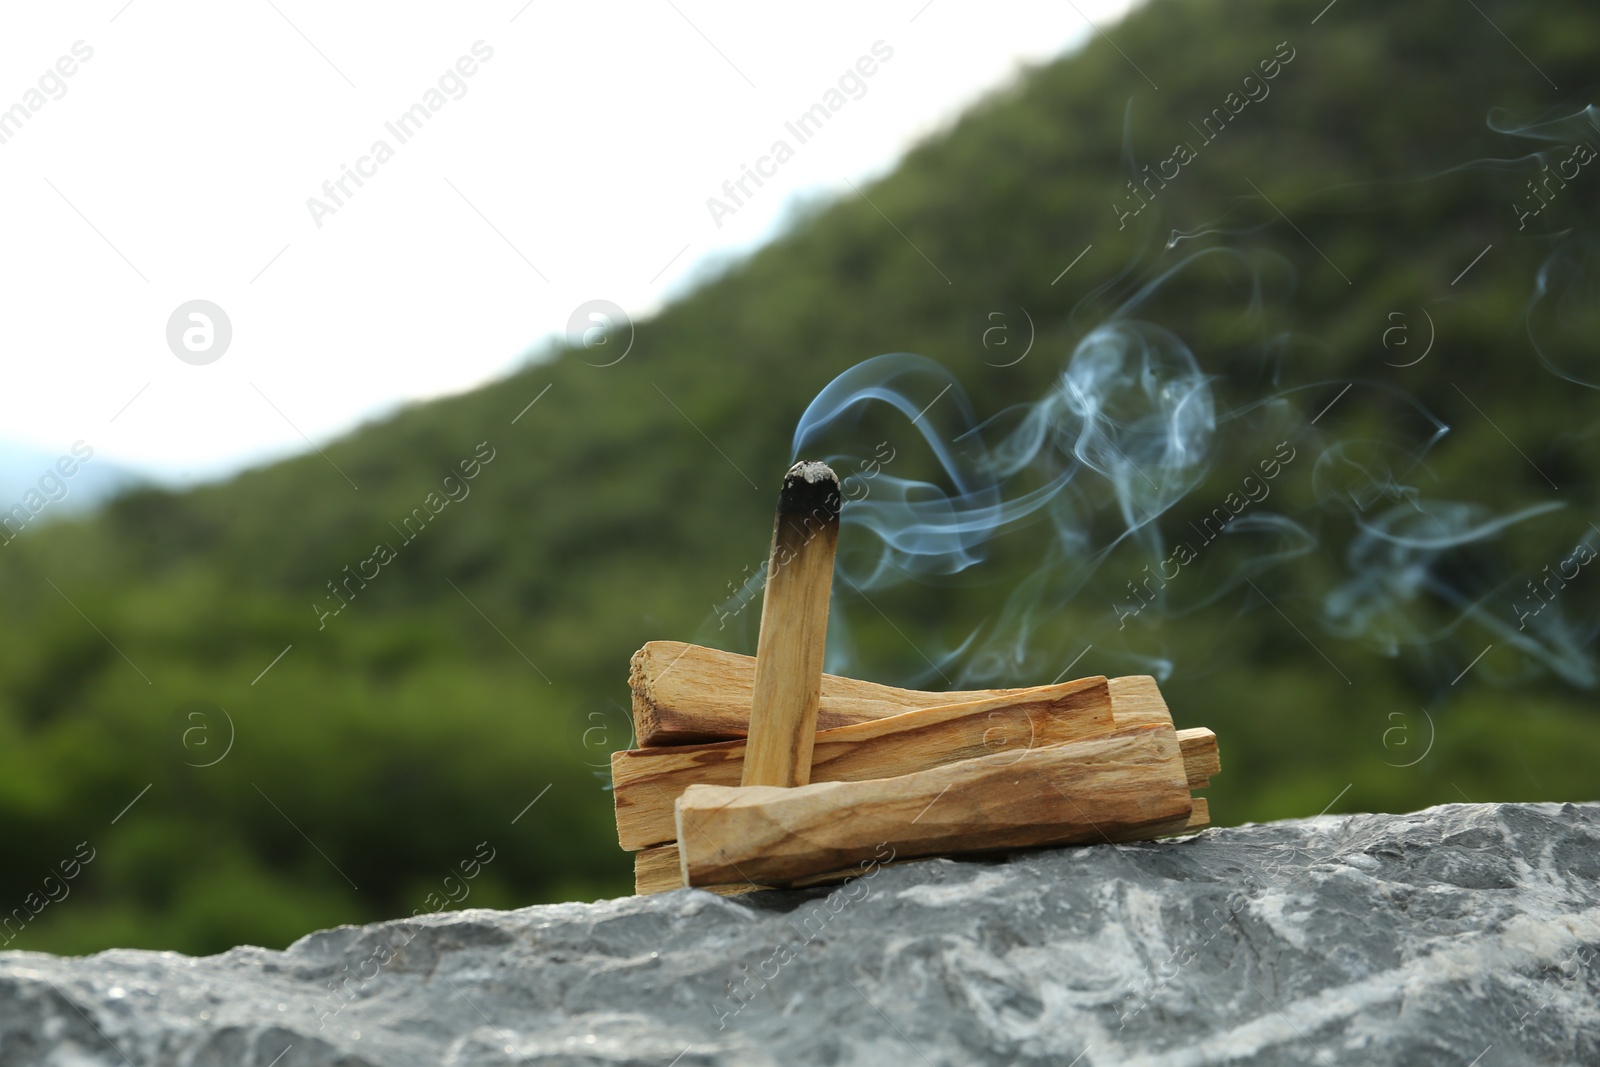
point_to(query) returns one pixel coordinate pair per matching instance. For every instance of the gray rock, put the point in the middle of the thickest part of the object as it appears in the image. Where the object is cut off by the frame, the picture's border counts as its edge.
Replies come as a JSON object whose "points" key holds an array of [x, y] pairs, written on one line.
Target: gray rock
{"points": [[1457, 935]]}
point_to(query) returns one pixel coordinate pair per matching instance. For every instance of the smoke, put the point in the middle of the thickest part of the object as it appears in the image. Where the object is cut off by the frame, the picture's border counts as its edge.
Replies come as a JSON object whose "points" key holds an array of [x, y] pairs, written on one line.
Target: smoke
{"points": [[1131, 414], [1115, 469], [1400, 578], [1563, 313], [1136, 487]]}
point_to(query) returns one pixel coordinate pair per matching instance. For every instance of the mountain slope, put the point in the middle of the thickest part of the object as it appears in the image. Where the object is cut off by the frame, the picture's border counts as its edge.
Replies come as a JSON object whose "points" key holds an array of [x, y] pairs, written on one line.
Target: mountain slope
{"points": [[481, 662]]}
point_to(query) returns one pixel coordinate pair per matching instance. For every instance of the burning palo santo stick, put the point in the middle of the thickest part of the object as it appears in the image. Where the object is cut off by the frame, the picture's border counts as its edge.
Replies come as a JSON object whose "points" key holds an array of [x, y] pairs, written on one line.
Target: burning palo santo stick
{"points": [[794, 627]]}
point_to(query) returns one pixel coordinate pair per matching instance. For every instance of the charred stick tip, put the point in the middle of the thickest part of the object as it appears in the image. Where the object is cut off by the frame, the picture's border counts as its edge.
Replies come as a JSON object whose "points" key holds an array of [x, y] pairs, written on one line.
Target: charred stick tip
{"points": [[811, 488]]}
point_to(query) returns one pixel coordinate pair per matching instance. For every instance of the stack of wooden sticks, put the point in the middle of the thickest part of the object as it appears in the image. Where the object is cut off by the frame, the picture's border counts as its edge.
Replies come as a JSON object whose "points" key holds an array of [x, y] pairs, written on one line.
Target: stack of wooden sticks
{"points": [[763, 771]]}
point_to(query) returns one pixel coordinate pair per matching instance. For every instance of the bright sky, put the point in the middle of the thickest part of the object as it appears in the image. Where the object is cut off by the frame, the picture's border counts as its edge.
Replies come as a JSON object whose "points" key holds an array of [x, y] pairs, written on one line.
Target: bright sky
{"points": [[573, 163]]}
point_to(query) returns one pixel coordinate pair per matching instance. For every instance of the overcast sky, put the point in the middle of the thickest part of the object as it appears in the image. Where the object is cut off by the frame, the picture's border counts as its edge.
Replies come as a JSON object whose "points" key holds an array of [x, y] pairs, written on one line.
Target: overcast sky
{"points": [[154, 153]]}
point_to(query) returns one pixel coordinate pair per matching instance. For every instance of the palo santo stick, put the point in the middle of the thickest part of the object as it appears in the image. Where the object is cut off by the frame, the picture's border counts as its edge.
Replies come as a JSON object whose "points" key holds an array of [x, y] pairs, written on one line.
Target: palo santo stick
{"points": [[657, 870], [794, 627], [1199, 818], [686, 694], [1077, 792], [1136, 700], [1201, 760], [645, 782]]}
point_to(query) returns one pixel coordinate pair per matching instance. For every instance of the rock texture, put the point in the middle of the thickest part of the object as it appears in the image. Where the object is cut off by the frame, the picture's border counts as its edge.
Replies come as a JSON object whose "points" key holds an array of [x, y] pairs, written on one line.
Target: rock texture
{"points": [[1458, 935]]}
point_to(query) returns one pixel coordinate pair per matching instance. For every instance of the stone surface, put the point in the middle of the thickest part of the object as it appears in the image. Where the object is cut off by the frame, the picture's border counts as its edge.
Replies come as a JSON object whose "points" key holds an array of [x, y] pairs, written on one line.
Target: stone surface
{"points": [[1465, 934]]}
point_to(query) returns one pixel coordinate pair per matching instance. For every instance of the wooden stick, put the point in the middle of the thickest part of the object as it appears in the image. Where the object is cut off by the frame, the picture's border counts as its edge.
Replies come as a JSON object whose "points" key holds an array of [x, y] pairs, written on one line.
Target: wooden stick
{"points": [[686, 694], [658, 870], [1199, 818], [1136, 700], [794, 627], [1201, 760], [645, 782], [689, 694], [646, 789], [651, 870], [1069, 793]]}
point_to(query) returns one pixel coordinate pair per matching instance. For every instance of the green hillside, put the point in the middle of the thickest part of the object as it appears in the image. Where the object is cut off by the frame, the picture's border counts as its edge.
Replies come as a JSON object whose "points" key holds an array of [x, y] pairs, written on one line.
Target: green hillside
{"points": [[477, 660]]}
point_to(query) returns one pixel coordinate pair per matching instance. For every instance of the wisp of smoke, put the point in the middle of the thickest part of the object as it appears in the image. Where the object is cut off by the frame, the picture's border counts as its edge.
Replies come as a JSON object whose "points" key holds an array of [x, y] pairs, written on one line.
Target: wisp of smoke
{"points": [[1109, 462]]}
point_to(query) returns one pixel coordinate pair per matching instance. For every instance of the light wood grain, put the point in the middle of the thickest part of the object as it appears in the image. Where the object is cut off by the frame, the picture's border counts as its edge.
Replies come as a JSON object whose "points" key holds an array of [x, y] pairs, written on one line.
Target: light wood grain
{"points": [[1201, 760], [1067, 793], [687, 694], [645, 782], [1198, 819], [657, 870], [794, 627], [1137, 701], [690, 694]]}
